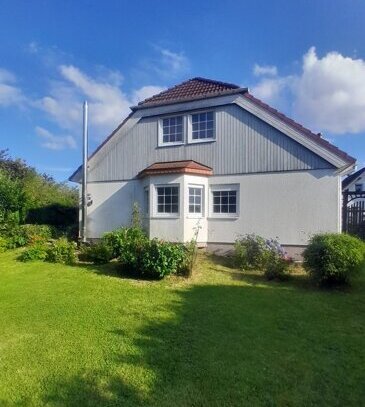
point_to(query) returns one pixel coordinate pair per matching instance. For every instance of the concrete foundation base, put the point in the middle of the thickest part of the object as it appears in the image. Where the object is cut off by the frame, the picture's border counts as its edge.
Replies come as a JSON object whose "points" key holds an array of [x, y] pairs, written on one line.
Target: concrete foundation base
{"points": [[224, 249]]}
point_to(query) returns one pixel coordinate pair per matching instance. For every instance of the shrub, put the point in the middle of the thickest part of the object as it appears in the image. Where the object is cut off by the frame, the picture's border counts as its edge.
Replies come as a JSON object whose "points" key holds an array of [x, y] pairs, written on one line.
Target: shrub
{"points": [[333, 258], [36, 252], [62, 251], [251, 252], [3, 244], [276, 268], [36, 233], [159, 259], [19, 236], [98, 253], [124, 243]]}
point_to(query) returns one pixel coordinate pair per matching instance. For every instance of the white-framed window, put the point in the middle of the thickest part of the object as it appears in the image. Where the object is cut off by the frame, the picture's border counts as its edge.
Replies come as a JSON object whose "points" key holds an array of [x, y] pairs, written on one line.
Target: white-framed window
{"points": [[196, 199], [167, 199], [358, 187], [224, 200], [171, 130], [201, 127]]}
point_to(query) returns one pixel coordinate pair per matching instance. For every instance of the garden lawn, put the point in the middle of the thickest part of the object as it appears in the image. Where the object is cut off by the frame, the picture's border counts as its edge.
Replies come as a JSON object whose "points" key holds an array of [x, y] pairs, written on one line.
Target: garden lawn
{"points": [[82, 336]]}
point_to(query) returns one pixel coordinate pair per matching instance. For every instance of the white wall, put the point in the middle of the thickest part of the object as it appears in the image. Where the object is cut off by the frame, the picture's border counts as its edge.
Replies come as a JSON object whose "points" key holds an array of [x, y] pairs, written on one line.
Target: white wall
{"points": [[291, 206], [288, 205], [112, 204]]}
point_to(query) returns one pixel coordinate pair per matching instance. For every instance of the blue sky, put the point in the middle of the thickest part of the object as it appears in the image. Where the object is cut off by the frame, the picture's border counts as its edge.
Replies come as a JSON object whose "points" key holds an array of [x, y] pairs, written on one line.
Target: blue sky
{"points": [[306, 58]]}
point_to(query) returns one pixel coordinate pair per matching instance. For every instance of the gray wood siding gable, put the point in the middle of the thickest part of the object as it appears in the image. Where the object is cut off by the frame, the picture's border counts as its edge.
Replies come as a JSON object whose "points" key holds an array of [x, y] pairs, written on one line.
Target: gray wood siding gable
{"points": [[244, 144]]}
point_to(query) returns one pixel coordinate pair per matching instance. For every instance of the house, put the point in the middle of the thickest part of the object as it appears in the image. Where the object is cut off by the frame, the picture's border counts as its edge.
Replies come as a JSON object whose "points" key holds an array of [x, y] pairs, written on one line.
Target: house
{"points": [[355, 183], [353, 211], [210, 153]]}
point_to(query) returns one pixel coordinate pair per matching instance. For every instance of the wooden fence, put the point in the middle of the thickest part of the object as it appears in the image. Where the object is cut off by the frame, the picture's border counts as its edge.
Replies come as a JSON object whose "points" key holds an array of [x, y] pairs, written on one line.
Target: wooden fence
{"points": [[353, 213]]}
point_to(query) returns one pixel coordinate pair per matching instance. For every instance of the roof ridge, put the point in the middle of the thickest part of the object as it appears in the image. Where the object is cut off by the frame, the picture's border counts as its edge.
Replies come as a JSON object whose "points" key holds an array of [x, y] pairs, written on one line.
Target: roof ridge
{"points": [[190, 88], [228, 84], [162, 92]]}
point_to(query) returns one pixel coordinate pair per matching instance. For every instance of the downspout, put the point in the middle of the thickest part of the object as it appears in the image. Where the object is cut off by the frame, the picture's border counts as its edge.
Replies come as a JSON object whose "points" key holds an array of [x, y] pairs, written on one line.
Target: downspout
{"points": [[84, 176]]}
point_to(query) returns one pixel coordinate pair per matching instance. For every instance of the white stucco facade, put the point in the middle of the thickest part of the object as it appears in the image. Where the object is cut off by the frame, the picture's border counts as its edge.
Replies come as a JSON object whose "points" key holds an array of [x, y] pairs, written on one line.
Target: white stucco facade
{"points": [[283, 180], [290, 206]]}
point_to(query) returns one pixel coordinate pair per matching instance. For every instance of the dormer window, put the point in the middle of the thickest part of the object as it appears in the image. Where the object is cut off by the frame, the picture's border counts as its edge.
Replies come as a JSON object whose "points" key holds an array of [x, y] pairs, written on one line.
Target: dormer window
{"points": [[187, 128], [201, 127], [171, 130]]}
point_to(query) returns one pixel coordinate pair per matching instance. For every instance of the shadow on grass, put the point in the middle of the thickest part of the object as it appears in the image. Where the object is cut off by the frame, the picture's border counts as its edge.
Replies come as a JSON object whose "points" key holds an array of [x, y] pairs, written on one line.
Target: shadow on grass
{"points": [[112, 269], [231, 346]]}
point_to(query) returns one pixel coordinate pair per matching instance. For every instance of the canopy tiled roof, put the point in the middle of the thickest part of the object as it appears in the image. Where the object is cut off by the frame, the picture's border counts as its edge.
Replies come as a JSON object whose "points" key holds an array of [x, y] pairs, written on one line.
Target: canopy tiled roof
{"points": [[176, 167], [195, 88]]}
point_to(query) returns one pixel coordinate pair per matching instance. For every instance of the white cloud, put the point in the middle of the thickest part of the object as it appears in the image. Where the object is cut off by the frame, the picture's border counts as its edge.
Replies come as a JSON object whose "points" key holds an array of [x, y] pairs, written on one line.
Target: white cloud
{"points": [[271, 89], [10, 94], [174, 62], [52, 142], [328, 94], [164, 64], [145, 92], [108, 103], [265, 70]]}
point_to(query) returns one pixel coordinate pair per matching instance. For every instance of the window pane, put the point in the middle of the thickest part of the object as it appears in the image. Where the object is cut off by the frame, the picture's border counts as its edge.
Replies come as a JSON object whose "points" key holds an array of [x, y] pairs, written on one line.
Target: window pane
{"points": [[160, 208], [172, 129], [202, 125], [232, 209], [216, 208], [195, 200], [225, 201], [167, 199]]}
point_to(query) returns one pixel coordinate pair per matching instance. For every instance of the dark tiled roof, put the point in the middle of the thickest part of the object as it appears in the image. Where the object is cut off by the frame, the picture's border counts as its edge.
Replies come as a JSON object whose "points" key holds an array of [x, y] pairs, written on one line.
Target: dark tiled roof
{"points": [[317, 138], [176, 167], [195, 88], [201, 88], [348, 180]]}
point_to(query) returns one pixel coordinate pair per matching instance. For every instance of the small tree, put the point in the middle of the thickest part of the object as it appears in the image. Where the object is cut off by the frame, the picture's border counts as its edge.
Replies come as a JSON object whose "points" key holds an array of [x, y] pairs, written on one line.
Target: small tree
{"points": [[136, 216]]}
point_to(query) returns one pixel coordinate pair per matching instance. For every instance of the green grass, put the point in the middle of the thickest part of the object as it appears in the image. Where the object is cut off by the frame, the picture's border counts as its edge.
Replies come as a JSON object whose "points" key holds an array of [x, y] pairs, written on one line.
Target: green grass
{"points": [[82, 336]]}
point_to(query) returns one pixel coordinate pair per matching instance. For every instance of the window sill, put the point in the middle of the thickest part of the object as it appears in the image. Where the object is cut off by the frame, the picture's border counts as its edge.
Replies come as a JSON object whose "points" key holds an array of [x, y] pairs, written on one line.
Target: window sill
{"points": [[162, 145], [223, 217], [165, 217], [198, 141], [192, 216]]}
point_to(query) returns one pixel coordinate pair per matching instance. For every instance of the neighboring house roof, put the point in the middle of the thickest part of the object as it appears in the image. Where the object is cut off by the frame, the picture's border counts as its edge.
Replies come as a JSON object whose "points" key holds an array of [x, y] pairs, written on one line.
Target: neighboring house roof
{"points": [[202, 88], [176, 167], [192, 89], [351, 178]]}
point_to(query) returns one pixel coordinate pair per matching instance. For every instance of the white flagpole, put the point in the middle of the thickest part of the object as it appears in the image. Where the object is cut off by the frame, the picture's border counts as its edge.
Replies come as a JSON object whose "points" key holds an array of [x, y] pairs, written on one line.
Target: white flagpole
{"points": [[84, 176]]}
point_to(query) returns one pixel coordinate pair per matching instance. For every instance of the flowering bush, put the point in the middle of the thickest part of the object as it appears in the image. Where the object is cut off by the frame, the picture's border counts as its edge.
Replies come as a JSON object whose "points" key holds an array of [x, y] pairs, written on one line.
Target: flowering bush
{"points": [[253, 252]]}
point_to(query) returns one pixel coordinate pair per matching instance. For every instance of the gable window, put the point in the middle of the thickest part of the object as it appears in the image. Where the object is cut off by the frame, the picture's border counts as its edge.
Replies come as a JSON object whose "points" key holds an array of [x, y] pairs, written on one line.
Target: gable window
{"points": [[358, 187], [202, 126], [196, 200], [172, 130], [224, 200], [168, 199]]}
